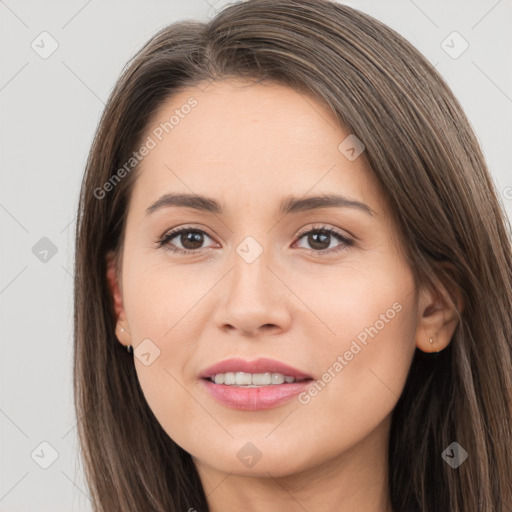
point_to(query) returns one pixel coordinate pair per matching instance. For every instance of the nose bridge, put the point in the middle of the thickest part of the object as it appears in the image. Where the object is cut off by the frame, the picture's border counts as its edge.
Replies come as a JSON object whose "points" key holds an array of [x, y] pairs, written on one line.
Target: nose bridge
{"points": [[251, 279], [253, 298]]}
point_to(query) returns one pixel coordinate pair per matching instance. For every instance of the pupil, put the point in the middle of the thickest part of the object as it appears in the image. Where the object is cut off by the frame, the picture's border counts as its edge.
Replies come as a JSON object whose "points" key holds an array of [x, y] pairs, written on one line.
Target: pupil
{"points": [[315, 243], [193, 237]]}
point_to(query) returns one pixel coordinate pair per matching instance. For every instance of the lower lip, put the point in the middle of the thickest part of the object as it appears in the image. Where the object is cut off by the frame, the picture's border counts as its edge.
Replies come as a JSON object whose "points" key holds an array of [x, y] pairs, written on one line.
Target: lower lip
{"points": [[254, 399]]}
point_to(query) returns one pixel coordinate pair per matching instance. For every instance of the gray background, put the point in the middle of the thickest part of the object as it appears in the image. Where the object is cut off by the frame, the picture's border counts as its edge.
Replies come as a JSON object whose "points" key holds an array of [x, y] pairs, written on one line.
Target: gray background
{"points": [[50, 109]]}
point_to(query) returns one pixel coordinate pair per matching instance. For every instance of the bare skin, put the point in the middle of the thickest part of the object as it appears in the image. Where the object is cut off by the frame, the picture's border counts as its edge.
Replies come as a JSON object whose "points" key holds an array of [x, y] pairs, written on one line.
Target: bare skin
{"points": [[248, 147]]}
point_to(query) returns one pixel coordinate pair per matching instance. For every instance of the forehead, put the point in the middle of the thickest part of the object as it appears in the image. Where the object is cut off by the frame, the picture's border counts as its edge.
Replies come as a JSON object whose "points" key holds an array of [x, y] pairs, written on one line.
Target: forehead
{"points": [[240, 139]]}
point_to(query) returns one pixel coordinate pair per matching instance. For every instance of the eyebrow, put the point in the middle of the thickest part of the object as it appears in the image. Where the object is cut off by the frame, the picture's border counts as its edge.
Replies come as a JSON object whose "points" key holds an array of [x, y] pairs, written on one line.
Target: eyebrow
{"points": [[289, 205]]}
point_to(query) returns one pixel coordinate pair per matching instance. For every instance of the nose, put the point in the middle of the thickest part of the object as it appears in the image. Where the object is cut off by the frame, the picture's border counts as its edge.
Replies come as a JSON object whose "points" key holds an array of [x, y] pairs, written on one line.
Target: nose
{"points": [[253, 299]]}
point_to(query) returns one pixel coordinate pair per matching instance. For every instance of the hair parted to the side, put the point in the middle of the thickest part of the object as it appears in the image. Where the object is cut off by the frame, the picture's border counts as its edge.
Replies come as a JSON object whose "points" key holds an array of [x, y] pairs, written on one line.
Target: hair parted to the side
{"points": [[425, 156]]}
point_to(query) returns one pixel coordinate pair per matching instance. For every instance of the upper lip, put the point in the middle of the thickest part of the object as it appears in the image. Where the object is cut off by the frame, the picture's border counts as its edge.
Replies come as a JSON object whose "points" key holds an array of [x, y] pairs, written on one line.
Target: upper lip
{"points": [[261, 365]]}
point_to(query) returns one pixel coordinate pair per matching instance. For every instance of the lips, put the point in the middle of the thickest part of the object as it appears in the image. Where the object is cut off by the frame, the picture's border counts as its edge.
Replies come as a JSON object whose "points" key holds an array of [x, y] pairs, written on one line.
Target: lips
{"points": [[254, 398], [261, 365]]}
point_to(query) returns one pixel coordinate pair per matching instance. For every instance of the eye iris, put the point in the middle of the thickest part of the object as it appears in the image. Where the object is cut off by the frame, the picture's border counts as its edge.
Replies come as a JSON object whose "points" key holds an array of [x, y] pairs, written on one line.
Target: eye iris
{"points": [[192, 236], [315, 243]]}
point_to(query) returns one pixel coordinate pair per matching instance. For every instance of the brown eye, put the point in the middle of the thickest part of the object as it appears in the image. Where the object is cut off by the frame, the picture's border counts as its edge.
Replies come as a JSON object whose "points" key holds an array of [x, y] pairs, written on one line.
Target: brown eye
{"points": [[320, 239], [190, 240]]}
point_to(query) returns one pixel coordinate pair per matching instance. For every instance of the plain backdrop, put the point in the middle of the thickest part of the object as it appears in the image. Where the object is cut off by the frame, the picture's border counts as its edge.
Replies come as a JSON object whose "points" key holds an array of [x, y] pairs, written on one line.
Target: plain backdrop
{"points": [[50, 108]]}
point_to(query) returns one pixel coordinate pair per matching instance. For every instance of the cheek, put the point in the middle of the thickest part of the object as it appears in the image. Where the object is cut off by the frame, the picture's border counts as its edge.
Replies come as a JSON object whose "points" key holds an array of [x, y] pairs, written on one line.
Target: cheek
{"points": [[162, 305], [362, 361], [371, 313], [160, 300]]}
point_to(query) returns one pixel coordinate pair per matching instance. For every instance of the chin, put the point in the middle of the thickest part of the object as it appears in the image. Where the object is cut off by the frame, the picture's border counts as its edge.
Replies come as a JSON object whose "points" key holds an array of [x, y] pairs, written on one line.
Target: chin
{"points": [[257, 459]]}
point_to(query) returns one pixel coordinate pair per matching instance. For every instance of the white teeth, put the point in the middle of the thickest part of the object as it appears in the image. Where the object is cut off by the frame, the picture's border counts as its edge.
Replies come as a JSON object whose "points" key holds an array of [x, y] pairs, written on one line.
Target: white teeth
{"points": [[243, 379], [251, 379], [279, 378], [261, 379], [229, 378]]}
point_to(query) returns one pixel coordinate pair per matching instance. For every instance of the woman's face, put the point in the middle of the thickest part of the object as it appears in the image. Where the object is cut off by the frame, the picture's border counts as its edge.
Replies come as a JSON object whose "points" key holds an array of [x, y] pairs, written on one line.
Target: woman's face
{"points": [[264, 281]]}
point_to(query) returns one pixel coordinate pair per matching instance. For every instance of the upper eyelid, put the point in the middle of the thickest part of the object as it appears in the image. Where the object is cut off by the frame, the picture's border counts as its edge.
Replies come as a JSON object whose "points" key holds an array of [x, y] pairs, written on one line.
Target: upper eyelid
{"points": [[176, 231], [302, 231], [332, 229]]}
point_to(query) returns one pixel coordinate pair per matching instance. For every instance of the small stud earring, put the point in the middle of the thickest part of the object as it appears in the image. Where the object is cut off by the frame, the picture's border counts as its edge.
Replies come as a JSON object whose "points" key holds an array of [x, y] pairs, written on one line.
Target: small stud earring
{"points": [[122, 329], [431, 340]]}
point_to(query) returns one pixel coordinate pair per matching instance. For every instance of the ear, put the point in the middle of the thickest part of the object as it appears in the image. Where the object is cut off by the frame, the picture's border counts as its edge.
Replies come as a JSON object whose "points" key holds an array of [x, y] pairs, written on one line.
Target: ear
{"points": [[122, 330], [437, 317]]}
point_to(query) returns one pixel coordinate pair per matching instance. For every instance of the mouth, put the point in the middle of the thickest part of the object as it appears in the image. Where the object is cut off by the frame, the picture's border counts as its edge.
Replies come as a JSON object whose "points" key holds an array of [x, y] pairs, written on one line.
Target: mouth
{"points": [[253, 385]]}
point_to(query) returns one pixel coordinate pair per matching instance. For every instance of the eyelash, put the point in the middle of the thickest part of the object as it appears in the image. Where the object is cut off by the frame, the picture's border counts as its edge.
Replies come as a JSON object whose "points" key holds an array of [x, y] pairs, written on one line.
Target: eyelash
{"points": [[168, 236]]}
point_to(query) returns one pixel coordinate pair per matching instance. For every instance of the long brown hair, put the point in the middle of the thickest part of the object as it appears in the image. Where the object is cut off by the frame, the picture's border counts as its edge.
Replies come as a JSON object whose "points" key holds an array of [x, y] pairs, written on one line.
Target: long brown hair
{"points": [[425, 156]]}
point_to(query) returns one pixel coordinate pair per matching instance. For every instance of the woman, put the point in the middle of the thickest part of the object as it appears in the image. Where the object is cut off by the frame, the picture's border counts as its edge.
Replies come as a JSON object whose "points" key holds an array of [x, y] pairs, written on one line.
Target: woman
{"points": [[287, 222]]}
